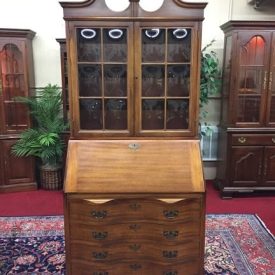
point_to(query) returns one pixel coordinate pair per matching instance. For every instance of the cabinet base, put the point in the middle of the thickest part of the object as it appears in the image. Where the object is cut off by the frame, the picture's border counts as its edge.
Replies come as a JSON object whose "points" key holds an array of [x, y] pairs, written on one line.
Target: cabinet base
{"points": [[18, 187]]}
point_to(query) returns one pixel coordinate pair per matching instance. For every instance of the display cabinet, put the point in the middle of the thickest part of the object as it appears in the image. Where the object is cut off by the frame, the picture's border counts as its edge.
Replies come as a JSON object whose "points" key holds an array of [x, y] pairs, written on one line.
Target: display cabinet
{"points": [[137, 75], [16, 79], [247, 140]]}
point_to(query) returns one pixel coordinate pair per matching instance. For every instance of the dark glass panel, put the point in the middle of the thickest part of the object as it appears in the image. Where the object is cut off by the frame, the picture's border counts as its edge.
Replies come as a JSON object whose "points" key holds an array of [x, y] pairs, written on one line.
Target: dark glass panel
{"points": [[90, 114], [152, 114], [115, 80], [249, 109], [177, 114], [16, 116], [253, 52], [250, 80], [227, 66], [153, 80], [88, 44], [115, 45], [116, 114], [153, 45], [178, 83], [89, 78], [13, 86], [179, 45]]}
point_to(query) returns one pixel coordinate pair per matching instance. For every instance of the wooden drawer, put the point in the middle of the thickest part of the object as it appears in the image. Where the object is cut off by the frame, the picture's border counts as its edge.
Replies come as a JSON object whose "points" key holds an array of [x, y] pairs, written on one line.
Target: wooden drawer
{"points": [[190, 266], [133, 210], [249, 139], [137, 231], [108, 252]]}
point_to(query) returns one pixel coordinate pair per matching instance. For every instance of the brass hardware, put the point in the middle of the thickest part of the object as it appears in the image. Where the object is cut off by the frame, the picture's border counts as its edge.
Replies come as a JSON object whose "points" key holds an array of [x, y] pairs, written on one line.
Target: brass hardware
{"points": [[135, 247], [270, 81], [170, 235], [265, 79], [242, 139], [135, 266], [100, 255], [134, 146], [135, 206], [99, 214], [134, 227], [273, 140], [170, 254], [100, 235], [171, 200], [98, 201], [170, 273], [170, 214], [100, 273]]}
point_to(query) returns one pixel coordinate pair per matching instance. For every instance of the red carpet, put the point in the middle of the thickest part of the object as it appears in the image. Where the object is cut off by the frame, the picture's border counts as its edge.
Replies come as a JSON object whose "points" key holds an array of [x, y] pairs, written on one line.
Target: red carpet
{"points": [[51, 203], [234, 244]]}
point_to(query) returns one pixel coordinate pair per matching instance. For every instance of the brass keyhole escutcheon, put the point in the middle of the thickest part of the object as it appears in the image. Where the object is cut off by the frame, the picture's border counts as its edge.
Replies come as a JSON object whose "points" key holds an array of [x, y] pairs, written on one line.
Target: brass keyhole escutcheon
{"points": [[242, 139], [134, 146]]}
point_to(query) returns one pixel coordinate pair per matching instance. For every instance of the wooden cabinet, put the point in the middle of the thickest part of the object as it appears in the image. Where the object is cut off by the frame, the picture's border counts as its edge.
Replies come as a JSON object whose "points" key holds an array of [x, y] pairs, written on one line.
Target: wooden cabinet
{"points": [[16, 79], [137, 75], [134, 207], [248, 104]]}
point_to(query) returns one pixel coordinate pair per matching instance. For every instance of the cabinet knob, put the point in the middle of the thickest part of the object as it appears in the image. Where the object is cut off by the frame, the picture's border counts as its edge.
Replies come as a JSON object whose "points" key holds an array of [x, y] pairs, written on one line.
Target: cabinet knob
{"points": [[170, 254], [134, 227], [99, 214], [100, 255], [170, 235], [242, 139], [100, 235], [170, 214], [135, 247], [135, 206], [273, 140]]}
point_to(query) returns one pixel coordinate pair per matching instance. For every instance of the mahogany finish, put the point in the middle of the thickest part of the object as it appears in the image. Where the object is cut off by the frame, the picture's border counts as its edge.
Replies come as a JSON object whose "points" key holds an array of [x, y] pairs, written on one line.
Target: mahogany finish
{"points": [[129, 207], [134, 187], [16, 79], [247, 140]]}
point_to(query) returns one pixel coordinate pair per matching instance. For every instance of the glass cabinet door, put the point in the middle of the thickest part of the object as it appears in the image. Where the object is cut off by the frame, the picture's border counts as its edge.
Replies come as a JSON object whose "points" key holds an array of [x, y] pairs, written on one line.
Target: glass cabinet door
{"points": [[12, 66], [252, 81], [271, 87], [165, 79], [102, 55]]}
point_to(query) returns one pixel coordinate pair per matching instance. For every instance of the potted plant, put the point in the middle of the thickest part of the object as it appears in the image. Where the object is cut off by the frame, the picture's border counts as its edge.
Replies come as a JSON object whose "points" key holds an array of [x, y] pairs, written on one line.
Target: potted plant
{"points": [[44, 140], [210, 81]]}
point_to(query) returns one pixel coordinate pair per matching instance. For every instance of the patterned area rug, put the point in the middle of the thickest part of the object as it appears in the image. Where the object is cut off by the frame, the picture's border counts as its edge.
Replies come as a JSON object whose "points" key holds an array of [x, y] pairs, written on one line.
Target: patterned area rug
{"points": [[235, 244]]}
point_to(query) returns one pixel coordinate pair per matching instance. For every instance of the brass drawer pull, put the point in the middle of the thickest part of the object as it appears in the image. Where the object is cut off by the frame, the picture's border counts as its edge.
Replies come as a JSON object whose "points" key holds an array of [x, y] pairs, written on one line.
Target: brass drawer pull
{"points": [[100, 273], [242, 139], [170, 235], [99, 214], [170, 254], [134, 227], [170, 273], [170, 214], [100, 235], [135, 266], [135, 247], [273, 140], [135, 206], [100, 255]]}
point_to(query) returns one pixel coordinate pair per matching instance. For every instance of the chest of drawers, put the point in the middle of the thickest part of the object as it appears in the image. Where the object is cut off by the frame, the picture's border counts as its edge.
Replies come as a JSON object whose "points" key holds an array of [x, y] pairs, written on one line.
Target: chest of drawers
{"points": [[134, 207]]}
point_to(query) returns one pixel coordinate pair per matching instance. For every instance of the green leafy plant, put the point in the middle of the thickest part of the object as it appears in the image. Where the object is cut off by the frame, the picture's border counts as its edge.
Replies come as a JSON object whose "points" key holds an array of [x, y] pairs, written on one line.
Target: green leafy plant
{"points": [[210, 81], [44, 139]]}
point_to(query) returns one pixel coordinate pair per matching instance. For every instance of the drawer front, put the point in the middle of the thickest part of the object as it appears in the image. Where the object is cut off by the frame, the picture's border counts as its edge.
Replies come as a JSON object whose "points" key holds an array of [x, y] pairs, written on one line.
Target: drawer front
{"points": [[132, 210], [249, 139], [189, 266], [163, 232], [151, 251]]}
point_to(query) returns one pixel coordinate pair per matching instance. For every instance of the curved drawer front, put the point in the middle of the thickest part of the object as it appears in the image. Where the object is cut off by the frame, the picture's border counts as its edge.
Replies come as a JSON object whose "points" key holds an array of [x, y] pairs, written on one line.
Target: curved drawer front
{"points": [[118, 210], [173, 232], [119, 251], [190, 266]]}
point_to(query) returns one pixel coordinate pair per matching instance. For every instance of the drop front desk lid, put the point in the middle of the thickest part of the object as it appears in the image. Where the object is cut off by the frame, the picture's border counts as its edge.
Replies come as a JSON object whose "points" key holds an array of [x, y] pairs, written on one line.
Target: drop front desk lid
{"points": [[134, 166]]}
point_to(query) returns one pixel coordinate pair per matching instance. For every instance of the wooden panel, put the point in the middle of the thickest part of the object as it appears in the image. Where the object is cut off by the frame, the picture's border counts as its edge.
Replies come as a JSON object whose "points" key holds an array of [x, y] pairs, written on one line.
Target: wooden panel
{"points": [[269, 166]]}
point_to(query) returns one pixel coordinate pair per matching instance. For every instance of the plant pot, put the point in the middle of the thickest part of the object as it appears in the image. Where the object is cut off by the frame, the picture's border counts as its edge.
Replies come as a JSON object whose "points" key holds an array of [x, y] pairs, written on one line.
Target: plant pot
{"points": [[51, 177]]}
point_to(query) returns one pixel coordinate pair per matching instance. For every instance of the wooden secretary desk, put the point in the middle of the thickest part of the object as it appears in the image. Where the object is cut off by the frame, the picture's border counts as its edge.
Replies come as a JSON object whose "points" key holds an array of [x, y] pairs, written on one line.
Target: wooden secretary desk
{"points": [[134, 187]]}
